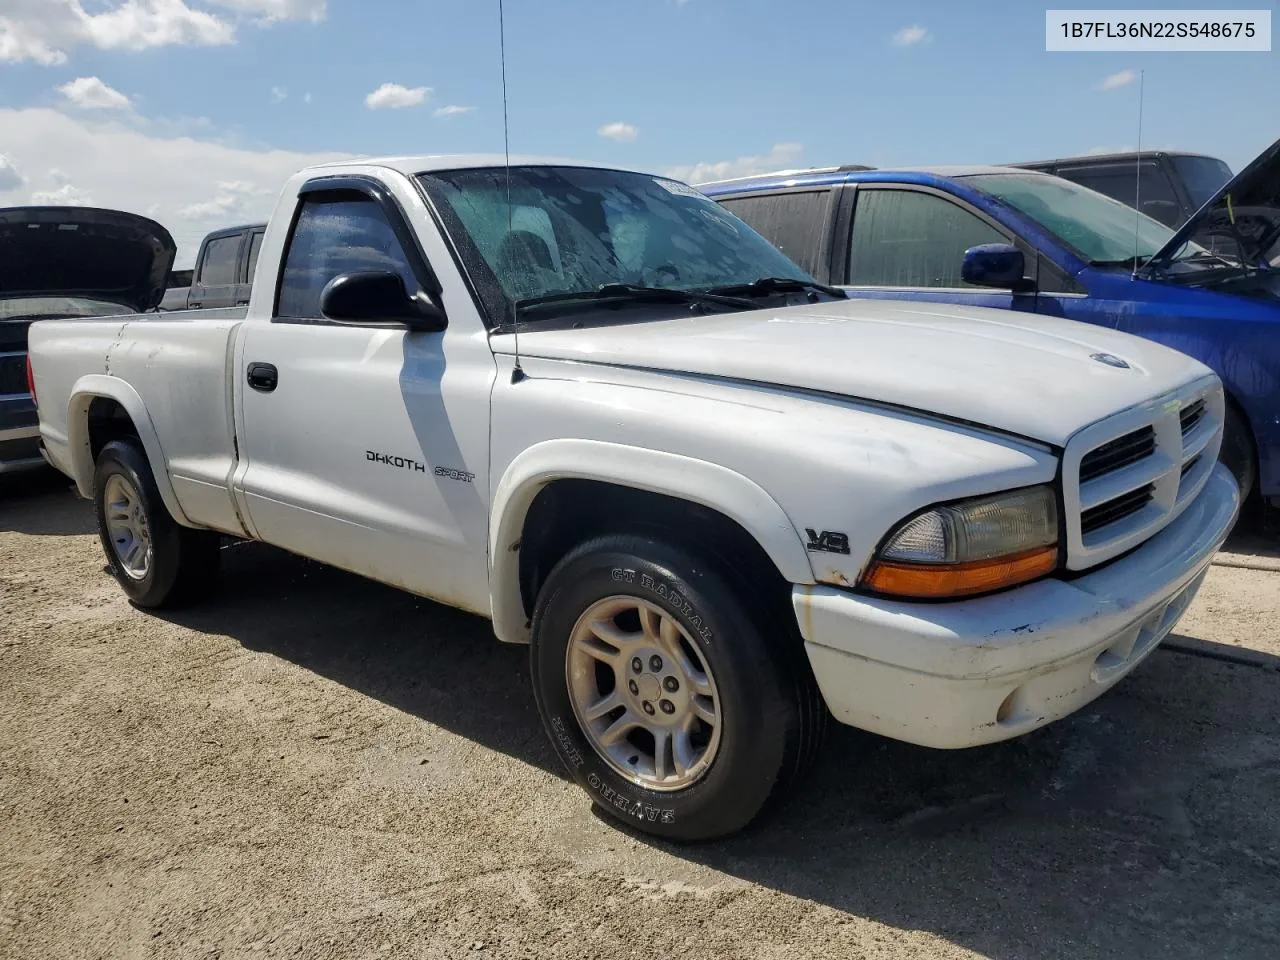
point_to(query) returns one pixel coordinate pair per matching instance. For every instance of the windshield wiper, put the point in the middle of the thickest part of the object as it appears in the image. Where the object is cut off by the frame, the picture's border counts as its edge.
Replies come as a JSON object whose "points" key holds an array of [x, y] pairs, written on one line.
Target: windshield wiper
{"points": [[634, 293], [1131, 263], [768, 285]]}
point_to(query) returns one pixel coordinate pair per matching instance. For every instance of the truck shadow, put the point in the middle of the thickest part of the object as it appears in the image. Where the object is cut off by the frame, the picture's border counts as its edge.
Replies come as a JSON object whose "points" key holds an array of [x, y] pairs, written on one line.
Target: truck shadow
{"points": [[43, 504], [1143, 826]]}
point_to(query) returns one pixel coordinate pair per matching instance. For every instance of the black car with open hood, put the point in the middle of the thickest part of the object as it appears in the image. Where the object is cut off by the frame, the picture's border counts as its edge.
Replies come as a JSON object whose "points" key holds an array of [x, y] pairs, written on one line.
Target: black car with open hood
{"points": [[1235, 234], [66, 262]]}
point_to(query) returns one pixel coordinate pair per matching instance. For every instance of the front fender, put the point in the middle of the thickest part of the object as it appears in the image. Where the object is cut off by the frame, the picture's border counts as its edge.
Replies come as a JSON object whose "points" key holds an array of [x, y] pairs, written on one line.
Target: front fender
{"points": [[86, 390], [687, 478]]}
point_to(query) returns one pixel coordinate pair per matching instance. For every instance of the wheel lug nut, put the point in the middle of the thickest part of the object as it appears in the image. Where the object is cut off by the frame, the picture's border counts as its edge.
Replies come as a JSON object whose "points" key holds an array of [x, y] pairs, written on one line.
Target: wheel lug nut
{"points": [[648, 708], [633, 687], [668, 706], [655, 663], [637, 664], [671, 684]]}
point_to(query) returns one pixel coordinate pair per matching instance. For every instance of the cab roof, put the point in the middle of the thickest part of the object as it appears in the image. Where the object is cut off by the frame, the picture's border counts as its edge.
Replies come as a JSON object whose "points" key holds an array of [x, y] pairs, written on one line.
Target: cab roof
{"points": [[426, 163]]}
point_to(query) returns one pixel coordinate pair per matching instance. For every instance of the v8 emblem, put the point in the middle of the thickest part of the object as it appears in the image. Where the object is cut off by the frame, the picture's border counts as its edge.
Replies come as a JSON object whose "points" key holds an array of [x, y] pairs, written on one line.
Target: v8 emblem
{"points": [[828, 541]]}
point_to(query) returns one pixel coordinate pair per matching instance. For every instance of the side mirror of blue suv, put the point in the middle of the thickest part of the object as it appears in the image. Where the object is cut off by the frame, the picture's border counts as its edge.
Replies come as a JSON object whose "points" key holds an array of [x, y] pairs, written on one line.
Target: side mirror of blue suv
{"points": [[999, 265]]}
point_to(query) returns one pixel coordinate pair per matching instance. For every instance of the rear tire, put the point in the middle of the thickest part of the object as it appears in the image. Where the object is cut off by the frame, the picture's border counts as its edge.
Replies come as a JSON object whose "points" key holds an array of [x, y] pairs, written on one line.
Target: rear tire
{"points": [[690, 630], [157, 562]]}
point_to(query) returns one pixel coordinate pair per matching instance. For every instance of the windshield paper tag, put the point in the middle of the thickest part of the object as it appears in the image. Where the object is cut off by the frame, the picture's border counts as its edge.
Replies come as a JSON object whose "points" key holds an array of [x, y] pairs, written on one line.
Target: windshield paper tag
{"points": [[677, 188]]}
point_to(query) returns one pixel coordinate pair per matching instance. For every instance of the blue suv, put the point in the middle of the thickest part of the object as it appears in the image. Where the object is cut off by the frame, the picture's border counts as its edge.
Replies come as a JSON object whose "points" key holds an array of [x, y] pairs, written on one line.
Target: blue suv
{"points": [[1024, 240]]}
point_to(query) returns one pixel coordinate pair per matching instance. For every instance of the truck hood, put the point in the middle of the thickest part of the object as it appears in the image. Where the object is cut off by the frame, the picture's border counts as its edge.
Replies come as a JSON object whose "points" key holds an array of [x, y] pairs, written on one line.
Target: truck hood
{"points": [[84, 252], [1034, 376], [1243, 218]]}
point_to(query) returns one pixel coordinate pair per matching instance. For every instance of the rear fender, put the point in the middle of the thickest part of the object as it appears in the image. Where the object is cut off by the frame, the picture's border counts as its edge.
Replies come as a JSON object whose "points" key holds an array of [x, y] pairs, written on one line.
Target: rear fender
{"points": [[85, 391]]}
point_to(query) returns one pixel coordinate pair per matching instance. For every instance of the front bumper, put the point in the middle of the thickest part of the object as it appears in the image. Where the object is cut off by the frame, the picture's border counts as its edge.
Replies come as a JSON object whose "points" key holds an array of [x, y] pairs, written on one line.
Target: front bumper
{"points": [[19, 434], [976, 671]]}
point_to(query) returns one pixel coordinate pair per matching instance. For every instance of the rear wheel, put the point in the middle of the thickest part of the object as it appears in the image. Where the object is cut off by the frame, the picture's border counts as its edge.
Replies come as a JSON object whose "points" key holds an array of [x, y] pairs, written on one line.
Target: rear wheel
{"points": [[677, 702], [157, 562]]}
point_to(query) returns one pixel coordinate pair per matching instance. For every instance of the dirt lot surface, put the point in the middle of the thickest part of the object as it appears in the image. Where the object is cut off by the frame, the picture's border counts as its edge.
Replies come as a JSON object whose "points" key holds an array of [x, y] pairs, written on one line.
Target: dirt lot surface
{"points": [[316, 766]]}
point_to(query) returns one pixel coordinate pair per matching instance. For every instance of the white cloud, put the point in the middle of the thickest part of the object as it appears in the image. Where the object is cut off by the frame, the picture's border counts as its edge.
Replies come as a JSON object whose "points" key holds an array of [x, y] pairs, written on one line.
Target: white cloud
{"points": [[306, 97], [275, 10], [910, 36], [780, 155], [44, 31], [233, 199], [392, 96], [190, 185], [279, 94], [622, 132], [66, 195], [90, 93], [452, 110], [1118, 80], [10, 178]]}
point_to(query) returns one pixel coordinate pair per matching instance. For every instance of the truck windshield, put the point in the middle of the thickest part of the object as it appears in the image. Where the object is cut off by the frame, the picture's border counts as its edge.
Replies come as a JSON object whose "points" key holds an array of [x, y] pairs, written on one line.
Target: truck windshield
{"points": [[568, 230], [1202, 177], [1099, 229]]}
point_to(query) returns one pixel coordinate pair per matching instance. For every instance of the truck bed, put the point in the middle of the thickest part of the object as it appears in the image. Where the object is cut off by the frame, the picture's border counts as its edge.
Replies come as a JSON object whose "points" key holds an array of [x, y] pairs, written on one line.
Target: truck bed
{"points": [[172, 370]]}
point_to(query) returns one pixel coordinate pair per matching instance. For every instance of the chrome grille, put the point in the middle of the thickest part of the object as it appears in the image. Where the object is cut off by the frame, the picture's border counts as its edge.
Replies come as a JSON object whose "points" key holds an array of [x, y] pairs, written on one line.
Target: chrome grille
{"points": [[1118, 453], [1127, 477], [13, 373]]}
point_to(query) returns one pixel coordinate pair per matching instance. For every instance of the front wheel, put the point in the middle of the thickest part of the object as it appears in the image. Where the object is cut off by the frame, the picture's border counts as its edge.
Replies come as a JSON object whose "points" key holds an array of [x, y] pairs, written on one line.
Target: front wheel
{"points": [[1237, 452], [156, 562], [678, 703]]}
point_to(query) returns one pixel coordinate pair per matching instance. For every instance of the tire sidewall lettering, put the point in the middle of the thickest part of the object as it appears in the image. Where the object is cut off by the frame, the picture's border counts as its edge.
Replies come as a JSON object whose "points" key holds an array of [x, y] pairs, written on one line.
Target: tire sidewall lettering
{"points": [[670, 596], [628, 805]]}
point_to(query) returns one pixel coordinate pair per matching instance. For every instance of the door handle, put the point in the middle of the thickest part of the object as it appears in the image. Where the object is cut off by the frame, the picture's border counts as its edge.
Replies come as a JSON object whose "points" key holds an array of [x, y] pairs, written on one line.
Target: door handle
{"points": [[242, 303], [263, 376]]}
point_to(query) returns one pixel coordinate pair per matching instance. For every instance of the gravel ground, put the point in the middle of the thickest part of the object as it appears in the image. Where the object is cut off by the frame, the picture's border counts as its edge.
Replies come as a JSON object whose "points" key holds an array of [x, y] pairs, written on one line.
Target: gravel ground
{"points": [[314, 765]]}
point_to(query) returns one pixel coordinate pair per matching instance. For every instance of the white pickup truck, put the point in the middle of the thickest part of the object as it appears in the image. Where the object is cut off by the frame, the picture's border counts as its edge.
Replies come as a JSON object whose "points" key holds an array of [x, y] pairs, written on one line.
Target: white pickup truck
{"points": [[720, 501]]}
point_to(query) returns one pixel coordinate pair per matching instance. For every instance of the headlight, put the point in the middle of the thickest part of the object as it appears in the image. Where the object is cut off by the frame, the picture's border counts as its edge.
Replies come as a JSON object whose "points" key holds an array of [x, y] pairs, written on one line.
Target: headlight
{"points": [[974, 546]]}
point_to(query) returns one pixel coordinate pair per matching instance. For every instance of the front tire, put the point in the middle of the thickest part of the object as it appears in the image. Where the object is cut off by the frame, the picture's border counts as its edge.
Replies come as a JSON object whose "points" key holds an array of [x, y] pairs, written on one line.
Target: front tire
{"points": [[682, 707], [156, 562]]}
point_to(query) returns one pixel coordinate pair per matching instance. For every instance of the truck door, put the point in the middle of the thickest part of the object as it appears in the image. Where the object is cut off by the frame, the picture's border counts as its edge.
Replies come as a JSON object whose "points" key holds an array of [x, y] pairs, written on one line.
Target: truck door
{"points": [[365, 446], [908, 243], [217, 272]]}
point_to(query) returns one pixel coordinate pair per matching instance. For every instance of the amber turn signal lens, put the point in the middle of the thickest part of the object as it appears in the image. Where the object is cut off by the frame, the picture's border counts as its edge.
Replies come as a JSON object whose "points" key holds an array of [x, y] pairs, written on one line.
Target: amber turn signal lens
{"points": [[940, 581]]}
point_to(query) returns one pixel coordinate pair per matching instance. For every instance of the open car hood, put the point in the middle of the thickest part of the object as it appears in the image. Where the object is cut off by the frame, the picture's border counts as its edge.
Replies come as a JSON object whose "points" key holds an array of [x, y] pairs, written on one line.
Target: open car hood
{"points": [[1242, 220], [84, 252]]}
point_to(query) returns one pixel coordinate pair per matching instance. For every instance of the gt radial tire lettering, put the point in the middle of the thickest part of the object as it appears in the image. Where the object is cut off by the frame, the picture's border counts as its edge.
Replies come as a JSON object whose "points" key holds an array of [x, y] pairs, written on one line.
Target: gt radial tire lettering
{"points": [[677, 601], [633, 808]]}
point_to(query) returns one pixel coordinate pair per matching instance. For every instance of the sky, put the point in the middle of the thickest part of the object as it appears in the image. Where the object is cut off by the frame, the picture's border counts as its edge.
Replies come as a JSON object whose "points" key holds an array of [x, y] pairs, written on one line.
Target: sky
{"points": [[194, 112]]}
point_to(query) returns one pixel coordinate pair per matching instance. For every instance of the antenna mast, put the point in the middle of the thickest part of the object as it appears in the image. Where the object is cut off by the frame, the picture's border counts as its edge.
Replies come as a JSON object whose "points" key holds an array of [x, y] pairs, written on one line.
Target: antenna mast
{"points": [[517, 374], [1137, 176]]}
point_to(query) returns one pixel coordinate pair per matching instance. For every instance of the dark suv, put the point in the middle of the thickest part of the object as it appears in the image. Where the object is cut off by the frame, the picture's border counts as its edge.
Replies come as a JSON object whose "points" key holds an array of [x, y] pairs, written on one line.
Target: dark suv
{"points": [[1167, 186]]}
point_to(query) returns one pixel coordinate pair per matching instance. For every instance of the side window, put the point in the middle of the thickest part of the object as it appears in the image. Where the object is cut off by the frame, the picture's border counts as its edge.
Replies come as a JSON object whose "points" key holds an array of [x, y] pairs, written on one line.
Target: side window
{"points": [[219, 264], [791, 221], [336, 233], [255, 245], [903, 238]]}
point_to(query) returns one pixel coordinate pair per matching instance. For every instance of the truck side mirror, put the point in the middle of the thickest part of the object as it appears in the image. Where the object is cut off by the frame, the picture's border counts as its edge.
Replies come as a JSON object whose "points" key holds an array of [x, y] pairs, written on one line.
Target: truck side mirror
{"points": [[379, 296], [1000, 265]]}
